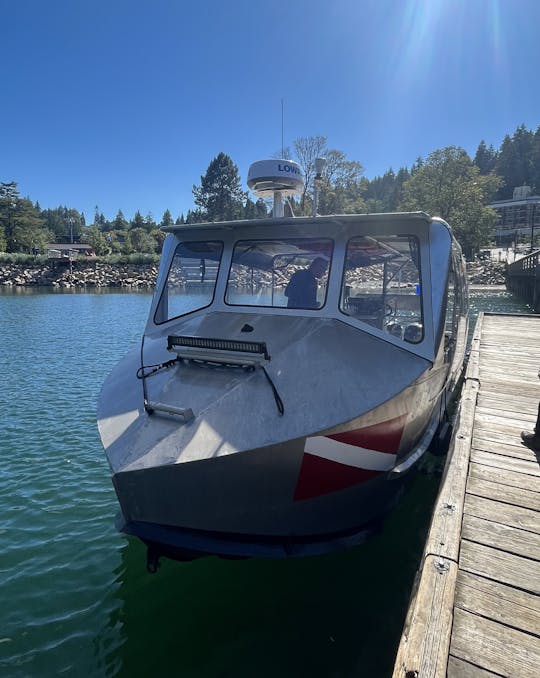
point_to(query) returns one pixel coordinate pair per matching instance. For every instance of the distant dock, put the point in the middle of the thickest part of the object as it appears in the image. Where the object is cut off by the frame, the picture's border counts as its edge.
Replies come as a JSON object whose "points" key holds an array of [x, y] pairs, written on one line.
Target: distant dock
{"points": [[475, 608], [523, 279]]}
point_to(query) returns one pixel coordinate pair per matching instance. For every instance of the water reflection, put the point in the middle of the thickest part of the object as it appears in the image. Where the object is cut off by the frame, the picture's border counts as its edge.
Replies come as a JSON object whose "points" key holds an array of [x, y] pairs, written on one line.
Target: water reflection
{"points": [[21, 291], [77, 595], [339, 614]]}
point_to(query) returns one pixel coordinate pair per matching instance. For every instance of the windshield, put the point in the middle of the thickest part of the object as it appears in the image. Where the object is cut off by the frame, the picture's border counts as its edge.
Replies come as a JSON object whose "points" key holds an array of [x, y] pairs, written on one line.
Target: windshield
{"points": [[381, 284], [191, 280], [291, 273]]}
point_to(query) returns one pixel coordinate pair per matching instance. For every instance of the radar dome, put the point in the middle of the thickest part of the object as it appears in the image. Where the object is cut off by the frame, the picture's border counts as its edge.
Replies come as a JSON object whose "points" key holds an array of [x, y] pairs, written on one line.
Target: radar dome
{"points": [[265, 177]]}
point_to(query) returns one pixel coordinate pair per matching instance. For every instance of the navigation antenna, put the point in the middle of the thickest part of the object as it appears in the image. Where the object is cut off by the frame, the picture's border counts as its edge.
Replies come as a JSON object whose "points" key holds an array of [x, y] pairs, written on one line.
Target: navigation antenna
{"points": [[282, 147], [319, 166]]}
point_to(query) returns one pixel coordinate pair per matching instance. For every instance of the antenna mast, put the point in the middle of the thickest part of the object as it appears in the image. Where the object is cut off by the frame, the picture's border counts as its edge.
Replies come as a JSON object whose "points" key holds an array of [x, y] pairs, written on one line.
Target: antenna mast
{"points": [[282, 147]]}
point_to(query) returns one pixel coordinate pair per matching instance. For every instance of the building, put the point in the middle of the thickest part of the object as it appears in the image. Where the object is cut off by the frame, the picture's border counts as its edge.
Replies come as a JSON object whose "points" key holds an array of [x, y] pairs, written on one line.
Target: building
{"points": [[68, 251], [518, 220]]}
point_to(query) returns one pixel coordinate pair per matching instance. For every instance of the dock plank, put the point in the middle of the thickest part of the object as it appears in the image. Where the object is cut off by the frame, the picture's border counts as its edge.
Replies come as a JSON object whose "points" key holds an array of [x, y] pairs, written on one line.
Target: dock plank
{"points": [[479, 640], [509, 422], [497, 443], [490, 386], [497, 401], [530, 468], [502, 537], [505, 514], [507, 416], [457, 668], [516, 496], [500, 566], [504, 477], [498, 602]]}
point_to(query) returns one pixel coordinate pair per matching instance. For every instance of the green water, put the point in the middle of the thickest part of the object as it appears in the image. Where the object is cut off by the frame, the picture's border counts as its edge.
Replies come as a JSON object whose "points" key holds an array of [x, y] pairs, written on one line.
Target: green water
{"points": [[75, 595]]}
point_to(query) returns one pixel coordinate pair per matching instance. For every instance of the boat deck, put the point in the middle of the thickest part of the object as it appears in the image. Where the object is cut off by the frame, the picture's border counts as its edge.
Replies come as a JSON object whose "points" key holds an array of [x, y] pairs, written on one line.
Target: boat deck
{"points": [[475, 607]]}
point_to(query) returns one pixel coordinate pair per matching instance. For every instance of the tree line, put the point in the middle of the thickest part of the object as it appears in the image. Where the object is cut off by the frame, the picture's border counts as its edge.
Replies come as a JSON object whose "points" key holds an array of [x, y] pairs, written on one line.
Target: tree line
{"points": [[448, 183]]}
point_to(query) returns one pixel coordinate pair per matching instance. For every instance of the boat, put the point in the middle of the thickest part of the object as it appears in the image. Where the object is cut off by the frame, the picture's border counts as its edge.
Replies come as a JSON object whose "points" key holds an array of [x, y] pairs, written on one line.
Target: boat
{"points": [[253, 422]]}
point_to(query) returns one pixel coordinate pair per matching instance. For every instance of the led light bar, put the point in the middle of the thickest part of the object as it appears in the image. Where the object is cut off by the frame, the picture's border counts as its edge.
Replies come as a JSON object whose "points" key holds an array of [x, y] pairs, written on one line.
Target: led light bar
{"points": [[254, 347]]}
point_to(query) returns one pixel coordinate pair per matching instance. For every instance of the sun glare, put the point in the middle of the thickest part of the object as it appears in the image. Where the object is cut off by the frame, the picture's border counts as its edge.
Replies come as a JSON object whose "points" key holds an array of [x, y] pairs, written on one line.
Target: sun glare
{"points": [[457, 26]]}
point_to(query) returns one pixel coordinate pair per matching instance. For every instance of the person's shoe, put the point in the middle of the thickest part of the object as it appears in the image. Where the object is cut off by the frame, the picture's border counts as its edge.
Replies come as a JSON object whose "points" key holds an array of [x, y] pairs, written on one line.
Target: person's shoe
{"points": [[532, 440]]}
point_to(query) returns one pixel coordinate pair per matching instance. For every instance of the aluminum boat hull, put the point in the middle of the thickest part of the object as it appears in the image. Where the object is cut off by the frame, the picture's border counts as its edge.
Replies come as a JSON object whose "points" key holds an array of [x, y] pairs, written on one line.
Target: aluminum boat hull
{"points": [[243, 476]]}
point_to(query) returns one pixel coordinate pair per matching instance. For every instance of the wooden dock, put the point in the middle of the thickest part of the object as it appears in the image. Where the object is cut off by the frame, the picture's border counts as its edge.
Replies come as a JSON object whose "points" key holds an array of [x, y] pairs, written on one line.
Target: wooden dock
{"points": [[475, 608]]}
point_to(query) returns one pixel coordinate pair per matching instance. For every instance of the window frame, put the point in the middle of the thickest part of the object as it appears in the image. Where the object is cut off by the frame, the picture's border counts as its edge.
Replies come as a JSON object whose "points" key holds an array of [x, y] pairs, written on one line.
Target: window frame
{"points": [[382, 236], [165, 285], [296, 239]]}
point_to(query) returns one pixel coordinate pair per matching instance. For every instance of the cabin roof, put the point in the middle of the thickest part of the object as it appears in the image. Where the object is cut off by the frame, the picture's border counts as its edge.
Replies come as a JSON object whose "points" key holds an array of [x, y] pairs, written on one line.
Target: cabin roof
{"points": [[333, 219]]}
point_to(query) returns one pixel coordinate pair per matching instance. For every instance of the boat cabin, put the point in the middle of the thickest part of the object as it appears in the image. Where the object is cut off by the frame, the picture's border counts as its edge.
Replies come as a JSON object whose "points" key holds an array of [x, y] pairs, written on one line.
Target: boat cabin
{"points": [[369, 271]]}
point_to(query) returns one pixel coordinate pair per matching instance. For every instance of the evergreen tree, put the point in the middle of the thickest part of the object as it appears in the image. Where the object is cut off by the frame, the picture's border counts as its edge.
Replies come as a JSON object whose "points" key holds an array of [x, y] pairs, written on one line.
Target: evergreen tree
{"points": [[194, 217], [485, 158], [397, 194], [515, 162], [535, 160], [100, 221], [64, 223], [149, 222], [220, 196], [21, 225], [260, 209], [417, 164], [166, 219], [9, 197], [250, 211], [137, 221], [384, 194], [120, 223], [9, 191]]}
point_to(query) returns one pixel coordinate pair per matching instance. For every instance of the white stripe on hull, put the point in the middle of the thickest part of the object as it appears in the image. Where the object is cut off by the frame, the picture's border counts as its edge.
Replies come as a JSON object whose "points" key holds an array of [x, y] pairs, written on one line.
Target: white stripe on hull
{"points": [[351, 455]]}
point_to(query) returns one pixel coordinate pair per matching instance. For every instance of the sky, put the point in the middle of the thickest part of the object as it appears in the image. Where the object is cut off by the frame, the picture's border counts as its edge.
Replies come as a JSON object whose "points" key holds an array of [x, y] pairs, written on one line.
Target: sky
{"points": [[122, 104]]}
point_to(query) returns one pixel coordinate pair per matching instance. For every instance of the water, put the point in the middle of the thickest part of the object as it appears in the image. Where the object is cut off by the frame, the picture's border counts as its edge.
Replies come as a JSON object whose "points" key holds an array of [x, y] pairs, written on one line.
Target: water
{"points": [[75, 594]]}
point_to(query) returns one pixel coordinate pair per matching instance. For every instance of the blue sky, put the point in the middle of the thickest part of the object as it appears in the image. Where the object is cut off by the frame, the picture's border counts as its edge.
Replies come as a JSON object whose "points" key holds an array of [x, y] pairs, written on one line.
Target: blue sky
{"points": [[123, 103]]}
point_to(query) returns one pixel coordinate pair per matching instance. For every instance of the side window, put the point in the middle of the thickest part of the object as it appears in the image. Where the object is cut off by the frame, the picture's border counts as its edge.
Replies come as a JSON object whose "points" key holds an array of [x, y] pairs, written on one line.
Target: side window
{"points": [[381, 284], [191, 280], [291, 273]]}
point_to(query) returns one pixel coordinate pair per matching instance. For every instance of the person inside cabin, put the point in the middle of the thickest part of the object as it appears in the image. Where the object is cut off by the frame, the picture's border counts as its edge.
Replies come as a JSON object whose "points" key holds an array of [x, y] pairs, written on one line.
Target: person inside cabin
{"points": [[532, 438], [301, 292]]}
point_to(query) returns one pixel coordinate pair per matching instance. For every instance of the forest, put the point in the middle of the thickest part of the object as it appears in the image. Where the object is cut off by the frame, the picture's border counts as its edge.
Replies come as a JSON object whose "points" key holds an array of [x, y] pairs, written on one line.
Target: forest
{"points": [[447, 183]]}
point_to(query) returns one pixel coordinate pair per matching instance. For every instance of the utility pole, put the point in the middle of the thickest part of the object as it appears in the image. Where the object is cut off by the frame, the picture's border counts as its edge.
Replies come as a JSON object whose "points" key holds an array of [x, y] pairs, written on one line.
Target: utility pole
{"points": [[71, 241]]}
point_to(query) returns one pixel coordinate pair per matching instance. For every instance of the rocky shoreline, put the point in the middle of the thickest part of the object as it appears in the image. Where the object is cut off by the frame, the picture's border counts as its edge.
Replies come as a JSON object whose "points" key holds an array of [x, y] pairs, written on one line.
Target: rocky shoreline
{"points": [[486, 273], [81, 275], [143, 276]]}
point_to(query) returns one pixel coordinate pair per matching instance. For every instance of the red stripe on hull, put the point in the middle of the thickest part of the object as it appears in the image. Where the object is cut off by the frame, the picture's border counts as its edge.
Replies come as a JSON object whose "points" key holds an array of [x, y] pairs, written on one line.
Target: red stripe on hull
{"points": [[320, 476], [383, 437]]}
